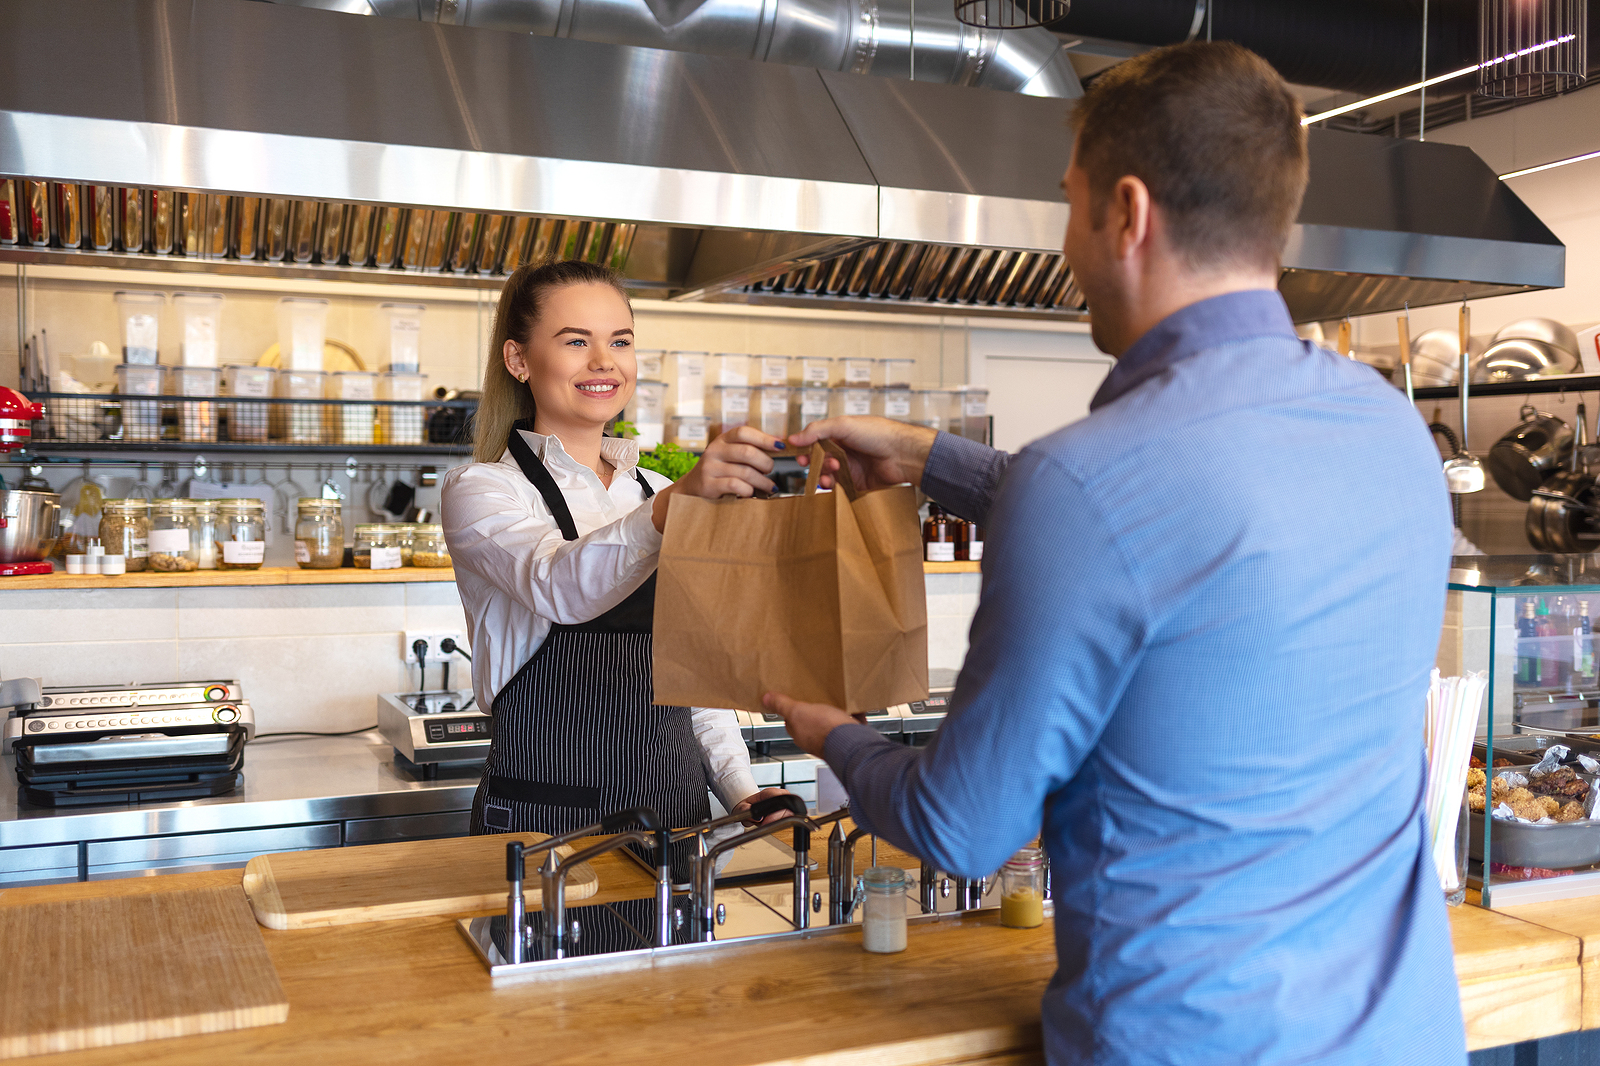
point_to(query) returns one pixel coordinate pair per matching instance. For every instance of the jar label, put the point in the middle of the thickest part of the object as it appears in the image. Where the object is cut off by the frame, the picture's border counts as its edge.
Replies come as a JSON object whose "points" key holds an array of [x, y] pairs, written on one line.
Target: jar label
{"points": [[302, 552], [736, 403], [169, 541], [815, 373], [975, 551], [386, 558], [976, 408], [247, 551], [862, 406], [940, 551], [813, 409], [899, 406], [778, 403], [139, 547], [857, 371]]}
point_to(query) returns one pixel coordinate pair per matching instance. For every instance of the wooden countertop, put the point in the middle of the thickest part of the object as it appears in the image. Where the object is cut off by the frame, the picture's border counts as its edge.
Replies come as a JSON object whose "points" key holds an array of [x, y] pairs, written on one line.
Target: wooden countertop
{"points": [[1579, 918], [965, 991], [267, 575]]}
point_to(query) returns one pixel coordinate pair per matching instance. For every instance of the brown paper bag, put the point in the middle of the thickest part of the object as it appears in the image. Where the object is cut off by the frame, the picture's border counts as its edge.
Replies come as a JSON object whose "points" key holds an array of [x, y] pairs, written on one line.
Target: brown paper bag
{"points": [[818, 596]]}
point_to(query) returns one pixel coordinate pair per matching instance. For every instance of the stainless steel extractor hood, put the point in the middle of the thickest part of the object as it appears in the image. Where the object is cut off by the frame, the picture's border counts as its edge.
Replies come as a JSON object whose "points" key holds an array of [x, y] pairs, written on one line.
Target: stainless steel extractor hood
{"points": [[338, 146]]}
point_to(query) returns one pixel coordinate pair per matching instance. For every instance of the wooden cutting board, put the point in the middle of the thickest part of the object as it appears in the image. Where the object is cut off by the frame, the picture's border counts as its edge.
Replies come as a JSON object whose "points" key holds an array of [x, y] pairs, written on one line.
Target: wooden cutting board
{"points": [[118, 970], [379, 882]]}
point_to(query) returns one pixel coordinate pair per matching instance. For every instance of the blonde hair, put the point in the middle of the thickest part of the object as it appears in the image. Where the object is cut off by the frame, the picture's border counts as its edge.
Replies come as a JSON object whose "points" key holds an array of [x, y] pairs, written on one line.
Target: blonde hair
{"points": [[506, 401]]}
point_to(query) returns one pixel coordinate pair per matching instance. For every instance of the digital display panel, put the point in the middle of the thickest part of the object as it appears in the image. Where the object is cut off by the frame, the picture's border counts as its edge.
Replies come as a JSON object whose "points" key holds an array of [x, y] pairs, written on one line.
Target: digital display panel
{"points": [[455, 730]]}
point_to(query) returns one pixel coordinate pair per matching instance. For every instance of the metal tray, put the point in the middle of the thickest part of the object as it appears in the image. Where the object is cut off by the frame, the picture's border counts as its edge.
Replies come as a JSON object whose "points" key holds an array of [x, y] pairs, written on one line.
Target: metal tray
{"points": [[1529, 748], [1552, 847]]}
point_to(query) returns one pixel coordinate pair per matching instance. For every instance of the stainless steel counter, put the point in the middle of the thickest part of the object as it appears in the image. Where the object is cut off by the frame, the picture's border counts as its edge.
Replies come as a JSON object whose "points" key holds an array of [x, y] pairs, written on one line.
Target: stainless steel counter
{"points": [[298, 792]]}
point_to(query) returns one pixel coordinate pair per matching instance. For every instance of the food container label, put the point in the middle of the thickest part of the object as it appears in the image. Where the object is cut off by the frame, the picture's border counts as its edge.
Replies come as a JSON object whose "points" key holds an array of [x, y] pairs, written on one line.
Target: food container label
{"points": [[857, 372], [139, 547], [812, 409], [778, 403], [978, 408], [900, 406], [975, 547], [247, 551], [736, 403], [252, 384], [386, 558], [940, 551], [862, 406], [817, 374], [302, 552], [169, 541]]}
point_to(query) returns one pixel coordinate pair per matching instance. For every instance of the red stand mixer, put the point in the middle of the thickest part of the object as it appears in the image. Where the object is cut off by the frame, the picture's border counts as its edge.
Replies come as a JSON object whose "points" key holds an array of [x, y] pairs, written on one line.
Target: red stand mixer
{"points": [[28, 520]]}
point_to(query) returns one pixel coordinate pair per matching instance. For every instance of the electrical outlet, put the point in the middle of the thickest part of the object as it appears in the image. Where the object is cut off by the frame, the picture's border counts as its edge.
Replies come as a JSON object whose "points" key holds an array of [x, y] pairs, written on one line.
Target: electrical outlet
{"points": [[434, 655]]}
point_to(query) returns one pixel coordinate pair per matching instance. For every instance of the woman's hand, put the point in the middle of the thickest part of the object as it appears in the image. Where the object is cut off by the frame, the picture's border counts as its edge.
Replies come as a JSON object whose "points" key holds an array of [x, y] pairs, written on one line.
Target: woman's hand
{"points": [[881, 452], [735, 464], [748, 801]]}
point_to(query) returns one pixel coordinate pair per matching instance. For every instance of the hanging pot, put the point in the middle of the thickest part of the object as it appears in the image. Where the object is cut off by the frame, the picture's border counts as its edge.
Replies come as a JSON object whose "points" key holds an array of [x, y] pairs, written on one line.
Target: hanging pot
{"points": [[1561, 513], [1521, 460]]}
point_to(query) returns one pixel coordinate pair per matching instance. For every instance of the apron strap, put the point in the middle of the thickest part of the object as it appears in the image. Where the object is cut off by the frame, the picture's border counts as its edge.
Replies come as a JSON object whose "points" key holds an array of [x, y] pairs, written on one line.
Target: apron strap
{"points": [[534, 470]]}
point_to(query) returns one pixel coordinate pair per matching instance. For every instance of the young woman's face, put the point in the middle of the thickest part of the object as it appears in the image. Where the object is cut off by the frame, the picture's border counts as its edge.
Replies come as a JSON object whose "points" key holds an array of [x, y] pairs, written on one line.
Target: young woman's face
{"points": [[579, 362]]}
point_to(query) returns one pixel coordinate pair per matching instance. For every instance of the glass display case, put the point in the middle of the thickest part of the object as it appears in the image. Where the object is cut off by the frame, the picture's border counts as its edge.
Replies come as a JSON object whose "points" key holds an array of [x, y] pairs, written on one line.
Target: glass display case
{"points": [[1526, 620]]}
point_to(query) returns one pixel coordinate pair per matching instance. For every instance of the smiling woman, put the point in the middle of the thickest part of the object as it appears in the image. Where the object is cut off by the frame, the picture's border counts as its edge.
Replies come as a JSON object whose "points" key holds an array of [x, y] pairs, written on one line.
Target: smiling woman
{"points": [[555, 534]]}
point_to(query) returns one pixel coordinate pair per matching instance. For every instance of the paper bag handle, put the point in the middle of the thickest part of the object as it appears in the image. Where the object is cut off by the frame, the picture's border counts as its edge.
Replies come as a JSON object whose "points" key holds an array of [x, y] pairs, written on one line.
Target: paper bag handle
{"points": [[841, 477]]}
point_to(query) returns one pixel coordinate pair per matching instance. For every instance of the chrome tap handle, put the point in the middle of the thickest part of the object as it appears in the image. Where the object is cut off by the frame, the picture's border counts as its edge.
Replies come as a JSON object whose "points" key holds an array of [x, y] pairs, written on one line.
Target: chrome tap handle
{"points": [[926, 885], [515, 904], [705, 882], [554, 885]]}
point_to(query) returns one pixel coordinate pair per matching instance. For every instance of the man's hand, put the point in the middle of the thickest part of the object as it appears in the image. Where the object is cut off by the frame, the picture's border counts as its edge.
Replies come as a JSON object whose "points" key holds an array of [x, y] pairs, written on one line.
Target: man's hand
{"points": [[808, 723], [746, 803], [735, 464], [881, 452]]}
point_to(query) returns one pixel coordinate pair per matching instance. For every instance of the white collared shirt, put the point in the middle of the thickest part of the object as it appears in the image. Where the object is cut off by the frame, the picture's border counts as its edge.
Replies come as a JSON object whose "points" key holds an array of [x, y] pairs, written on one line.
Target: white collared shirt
{"points": [[518, 575]]}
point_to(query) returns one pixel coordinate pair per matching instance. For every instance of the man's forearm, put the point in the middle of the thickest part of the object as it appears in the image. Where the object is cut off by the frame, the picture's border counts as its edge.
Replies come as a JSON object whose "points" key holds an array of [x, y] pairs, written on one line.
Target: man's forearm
{"points": [[962, 476]]}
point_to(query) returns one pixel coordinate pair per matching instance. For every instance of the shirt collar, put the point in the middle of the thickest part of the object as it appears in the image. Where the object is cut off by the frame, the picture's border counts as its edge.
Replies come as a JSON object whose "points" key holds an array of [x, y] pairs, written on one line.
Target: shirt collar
{"points": [[621, 453], [1205, 324]]}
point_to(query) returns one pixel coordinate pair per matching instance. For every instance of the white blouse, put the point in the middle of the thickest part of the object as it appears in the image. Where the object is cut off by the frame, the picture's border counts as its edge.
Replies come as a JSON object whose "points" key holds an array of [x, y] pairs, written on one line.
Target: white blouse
{"points": [[517, 575]]}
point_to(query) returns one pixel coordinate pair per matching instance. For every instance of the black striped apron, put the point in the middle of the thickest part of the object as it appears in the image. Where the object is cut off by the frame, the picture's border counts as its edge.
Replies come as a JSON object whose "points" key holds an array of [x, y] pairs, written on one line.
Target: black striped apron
{"points": [[575, 733]]}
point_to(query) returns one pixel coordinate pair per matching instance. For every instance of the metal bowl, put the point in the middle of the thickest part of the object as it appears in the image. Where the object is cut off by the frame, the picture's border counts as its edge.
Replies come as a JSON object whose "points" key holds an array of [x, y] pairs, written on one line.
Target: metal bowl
{"points": [[1435, 358], [1522, 359], [1547, 330], [30, 525]]}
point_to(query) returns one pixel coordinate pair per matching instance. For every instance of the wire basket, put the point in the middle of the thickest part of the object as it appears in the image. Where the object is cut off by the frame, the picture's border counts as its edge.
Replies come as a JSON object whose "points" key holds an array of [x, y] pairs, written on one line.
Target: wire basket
{"points": [[1531, 48], [1011, 14]]}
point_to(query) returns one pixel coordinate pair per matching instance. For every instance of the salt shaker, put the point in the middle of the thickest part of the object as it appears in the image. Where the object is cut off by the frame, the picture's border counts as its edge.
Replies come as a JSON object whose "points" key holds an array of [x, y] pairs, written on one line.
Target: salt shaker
{"points": [[883, 910]]}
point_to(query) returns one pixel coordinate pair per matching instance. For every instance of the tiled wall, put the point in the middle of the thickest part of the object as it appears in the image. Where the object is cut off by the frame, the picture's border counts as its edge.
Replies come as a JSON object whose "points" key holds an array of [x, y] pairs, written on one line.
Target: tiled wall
{"points": [[1464, 646], [309, 656]]}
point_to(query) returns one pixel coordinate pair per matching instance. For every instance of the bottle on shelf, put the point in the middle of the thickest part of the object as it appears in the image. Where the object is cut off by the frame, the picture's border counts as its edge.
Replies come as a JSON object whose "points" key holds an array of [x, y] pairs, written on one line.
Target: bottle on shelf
{"points": [[939, 536], [1583, 646], [974, 542], [1545, 626], [1527, 648]]}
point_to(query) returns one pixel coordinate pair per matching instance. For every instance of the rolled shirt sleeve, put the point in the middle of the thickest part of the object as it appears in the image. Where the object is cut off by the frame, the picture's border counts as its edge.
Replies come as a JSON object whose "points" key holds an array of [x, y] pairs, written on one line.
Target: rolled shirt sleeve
{"points": [[963, 476], [723, 753]]}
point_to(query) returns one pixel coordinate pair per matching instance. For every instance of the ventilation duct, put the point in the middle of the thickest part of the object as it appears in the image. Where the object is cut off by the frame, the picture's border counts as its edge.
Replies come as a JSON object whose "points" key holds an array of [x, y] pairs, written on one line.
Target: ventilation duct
{"points": [[856, 36]]}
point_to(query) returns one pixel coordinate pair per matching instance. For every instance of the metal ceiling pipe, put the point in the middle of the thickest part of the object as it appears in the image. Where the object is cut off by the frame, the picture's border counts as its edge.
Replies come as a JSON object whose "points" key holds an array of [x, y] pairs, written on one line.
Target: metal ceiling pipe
{"points": [[858, 36]]}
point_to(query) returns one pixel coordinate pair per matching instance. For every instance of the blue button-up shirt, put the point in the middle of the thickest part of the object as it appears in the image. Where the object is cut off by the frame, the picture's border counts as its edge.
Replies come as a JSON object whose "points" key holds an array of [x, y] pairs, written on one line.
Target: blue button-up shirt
{"points": [[1199, 664]]}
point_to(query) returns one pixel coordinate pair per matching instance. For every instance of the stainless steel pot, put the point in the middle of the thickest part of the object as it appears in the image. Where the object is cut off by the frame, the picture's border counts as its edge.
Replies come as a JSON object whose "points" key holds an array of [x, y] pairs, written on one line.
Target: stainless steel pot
{"points": [[1521, 460], [31, 521], [1560, 513]]}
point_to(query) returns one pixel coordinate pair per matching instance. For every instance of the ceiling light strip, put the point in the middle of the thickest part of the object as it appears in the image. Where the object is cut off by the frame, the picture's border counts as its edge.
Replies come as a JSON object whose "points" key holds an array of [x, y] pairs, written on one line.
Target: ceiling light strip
{"points": [[1550, 166], [1435, 80]]}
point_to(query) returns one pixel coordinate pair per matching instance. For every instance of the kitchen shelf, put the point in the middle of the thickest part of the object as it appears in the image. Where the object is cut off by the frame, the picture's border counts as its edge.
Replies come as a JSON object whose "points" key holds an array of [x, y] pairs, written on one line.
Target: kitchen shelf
{"points": [[952, 568], [267, 575], [46, 448]]}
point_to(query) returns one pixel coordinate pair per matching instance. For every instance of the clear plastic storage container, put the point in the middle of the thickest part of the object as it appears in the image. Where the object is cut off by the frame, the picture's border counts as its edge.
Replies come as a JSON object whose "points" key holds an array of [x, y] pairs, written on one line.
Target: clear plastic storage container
{"points": [[648, 412], [892, 403], [141, 325], [350, 422], [851, 400], [141, 419], [974, 413], [685, 375], [807, 405], [319, 534], [648, 364], [402, 324], [895, 373], [174, 546], [691, 433], [812, 370], [769, 369], [298, 423], [770, 409], [247, 422], [197, 419], [730, 408], [302, 329], [200, 321], [728, 368], [241, 534], [858, 372], [928, 407], [401, 425]]}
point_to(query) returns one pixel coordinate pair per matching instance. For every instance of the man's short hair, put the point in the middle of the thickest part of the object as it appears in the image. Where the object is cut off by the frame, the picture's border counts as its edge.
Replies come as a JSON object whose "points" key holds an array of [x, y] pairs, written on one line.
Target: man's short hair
{"points": [[1214, 133]]}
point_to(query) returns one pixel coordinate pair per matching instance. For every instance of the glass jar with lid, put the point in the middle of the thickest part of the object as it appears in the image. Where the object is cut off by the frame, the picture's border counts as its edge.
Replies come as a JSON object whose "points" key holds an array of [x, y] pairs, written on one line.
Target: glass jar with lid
{"points": [[241, 534], [173, 544], [428, 547], [207, 515], [319, 534], [882, 892], [377, 547], [1022, 889], [405, 533], [125, 531]]}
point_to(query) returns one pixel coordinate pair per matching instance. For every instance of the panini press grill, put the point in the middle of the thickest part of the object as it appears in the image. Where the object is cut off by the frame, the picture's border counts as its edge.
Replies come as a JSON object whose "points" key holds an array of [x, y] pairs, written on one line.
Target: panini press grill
{"points": [[127, 743]]}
